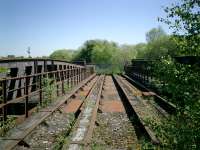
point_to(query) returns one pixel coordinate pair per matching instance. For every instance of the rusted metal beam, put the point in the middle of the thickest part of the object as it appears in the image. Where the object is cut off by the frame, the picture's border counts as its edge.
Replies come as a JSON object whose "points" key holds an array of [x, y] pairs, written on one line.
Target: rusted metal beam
{"points": [[21, 131], [34, 81]]}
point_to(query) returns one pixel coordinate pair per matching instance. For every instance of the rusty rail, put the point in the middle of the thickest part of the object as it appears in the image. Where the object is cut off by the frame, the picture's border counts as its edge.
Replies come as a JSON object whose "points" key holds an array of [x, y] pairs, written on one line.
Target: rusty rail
{"points": [[91, 102], [168, 106], [22, 130], [130, 99]]}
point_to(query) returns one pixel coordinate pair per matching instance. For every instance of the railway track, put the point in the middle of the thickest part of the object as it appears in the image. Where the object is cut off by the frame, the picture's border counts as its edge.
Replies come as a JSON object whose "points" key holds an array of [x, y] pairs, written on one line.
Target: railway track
{"points": [[82, 132], [115, 127], [169, 107], [141, 107], [106, 112], [17, 136]]}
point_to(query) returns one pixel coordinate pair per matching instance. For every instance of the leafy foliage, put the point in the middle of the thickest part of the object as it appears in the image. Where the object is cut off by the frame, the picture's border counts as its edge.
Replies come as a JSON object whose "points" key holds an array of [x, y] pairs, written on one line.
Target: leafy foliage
{"points": [[155, 34], [184, 19], [5, 126], [106, 55], [3, 70], [63, 138], [49, 91], [141, 49], [180, 82], [62, 54], [159, 44], [97, 51]]}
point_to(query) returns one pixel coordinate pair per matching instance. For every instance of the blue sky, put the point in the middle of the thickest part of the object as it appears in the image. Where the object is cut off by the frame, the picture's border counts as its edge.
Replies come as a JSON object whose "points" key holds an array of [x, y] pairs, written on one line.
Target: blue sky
{"points": [[47, 25]]}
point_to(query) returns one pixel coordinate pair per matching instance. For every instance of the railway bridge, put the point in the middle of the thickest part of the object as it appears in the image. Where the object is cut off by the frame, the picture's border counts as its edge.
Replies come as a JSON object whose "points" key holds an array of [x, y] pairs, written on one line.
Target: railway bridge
{"points": [[53, 104]]}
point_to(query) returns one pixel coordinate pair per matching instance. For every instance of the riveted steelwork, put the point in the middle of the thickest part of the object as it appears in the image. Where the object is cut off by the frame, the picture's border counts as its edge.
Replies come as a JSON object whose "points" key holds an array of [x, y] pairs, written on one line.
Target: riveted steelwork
{"points": [[140, 70], [25, 85], [140, 74]]}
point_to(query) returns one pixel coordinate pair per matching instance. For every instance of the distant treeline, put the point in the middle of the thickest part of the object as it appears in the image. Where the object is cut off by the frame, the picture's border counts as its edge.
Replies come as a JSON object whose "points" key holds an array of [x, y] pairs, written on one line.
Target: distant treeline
{"points": [[111, 57]]}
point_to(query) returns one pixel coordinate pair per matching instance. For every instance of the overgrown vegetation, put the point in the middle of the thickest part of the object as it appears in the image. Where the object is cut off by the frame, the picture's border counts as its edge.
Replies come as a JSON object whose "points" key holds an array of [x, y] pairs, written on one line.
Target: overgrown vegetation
{"points": [[63, 138], [108, 56], [5, 126], [48, 92], [3, 70], [67, 86], [62, 54], [180, 82]]}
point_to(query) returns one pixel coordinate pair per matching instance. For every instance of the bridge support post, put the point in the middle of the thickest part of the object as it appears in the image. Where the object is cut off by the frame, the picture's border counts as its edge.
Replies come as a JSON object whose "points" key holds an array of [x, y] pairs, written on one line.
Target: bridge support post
{"points": [[4, 99], [40, 87], [63, 91], [27, 97]]}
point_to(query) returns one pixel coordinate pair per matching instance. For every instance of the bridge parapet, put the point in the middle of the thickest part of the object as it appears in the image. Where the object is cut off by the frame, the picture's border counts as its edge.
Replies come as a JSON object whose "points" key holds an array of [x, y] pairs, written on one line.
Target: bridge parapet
{"points": [[141, 69], [21, 67], [23, 83]]}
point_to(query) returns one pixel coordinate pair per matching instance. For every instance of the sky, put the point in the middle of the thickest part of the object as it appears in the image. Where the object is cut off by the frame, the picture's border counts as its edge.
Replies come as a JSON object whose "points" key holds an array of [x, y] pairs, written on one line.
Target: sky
{"points": [[48, 25]]}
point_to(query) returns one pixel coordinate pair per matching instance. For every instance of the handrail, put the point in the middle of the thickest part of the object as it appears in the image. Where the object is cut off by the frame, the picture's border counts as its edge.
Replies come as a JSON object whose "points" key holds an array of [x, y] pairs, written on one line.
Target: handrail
{"points": [[32, 85]]}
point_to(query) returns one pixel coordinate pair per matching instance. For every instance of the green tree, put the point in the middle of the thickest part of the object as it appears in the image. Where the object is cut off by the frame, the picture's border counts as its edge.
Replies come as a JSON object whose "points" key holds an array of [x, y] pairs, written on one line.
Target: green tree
{"points": [[181, 81], [97, 51], [103, 52], [126, 54], [141, 49], [184, 19], [62, 54], [106, 54], [161, 47], [85, 52], [159, 44], [155, 34]]}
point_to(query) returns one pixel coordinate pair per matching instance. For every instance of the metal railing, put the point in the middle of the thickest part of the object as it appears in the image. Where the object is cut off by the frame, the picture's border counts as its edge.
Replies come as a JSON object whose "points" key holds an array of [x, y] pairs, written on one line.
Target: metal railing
{"points": [[32, 85], [140, 70]]}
